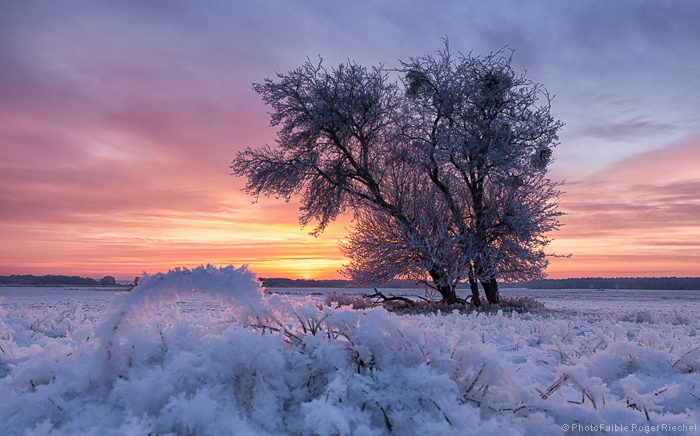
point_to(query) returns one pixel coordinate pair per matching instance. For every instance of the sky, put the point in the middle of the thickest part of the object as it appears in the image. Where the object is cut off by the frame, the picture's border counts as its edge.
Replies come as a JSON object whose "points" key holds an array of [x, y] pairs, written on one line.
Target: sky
{"points": [[119, 120]]}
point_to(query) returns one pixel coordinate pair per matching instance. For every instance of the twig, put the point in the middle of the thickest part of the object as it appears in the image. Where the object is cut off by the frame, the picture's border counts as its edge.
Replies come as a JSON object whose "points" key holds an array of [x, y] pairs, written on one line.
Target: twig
{"points": [[425, 282], [556, 385], [443, 413], [475, 380], [57, 406], [386, 418], [585, 394], [681, 358]]}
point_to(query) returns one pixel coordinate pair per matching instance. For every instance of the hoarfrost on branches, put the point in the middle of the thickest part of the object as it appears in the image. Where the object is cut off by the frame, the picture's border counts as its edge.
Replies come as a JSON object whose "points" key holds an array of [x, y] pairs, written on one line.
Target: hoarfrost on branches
{"points": [[444, 170]]}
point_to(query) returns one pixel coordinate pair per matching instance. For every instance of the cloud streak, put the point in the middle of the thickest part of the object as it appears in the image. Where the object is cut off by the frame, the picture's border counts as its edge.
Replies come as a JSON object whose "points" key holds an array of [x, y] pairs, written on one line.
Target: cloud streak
{"points": [[639, 216]]}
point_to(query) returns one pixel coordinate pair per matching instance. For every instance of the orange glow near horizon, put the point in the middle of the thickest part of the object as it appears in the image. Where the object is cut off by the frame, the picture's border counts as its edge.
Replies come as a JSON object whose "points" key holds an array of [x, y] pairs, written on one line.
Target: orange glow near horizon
{"points": [[618, 224]]}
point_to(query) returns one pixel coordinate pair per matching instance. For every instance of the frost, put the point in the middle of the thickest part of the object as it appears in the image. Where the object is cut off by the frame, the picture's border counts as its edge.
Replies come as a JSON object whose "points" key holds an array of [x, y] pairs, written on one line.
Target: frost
{"points": [[206, 352]]}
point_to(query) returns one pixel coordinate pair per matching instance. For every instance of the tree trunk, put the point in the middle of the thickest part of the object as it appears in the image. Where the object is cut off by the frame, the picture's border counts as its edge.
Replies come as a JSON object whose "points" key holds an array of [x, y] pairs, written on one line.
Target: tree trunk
{"points": [[491, 290], [475, 292], [449, 295], [448, 292]]}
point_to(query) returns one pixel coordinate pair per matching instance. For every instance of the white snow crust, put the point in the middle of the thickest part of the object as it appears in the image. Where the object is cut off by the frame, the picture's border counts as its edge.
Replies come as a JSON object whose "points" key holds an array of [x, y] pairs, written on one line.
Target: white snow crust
{"points": [[207, 352]]}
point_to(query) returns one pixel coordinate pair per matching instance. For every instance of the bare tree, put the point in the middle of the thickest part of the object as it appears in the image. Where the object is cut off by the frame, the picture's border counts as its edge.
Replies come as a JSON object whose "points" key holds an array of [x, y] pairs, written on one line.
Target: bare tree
{"points": [[443, 170]]}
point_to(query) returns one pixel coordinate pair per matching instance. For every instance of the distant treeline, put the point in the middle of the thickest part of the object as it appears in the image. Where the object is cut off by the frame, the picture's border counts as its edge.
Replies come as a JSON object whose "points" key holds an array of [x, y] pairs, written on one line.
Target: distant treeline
{"points": [[311, 283], [53, 280], [276, 282], [660, 283]]}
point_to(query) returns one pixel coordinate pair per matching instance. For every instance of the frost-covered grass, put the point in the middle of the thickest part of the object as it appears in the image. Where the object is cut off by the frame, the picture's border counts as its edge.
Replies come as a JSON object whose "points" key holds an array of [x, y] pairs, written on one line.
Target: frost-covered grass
{"points": [[236, 361]]}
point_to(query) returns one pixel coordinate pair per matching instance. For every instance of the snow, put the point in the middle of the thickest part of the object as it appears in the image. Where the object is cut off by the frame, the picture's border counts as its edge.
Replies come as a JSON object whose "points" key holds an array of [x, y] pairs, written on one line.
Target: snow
{"points": [[208, 352]]}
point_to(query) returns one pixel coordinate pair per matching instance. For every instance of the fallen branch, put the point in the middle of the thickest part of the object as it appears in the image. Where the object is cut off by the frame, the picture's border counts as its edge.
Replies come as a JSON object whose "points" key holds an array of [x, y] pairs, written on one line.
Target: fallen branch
{"points": [[383, 298]]}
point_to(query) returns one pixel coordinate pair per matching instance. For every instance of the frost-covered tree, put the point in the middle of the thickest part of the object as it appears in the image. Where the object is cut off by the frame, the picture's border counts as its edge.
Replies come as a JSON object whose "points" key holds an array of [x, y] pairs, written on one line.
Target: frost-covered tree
{"points": [[484, 136], [338, 134], [444, 169], [429, 250]]}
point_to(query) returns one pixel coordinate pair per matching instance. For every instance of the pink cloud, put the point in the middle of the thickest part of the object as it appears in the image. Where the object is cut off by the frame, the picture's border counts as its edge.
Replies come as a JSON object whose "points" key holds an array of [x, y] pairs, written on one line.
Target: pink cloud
{"points": [[639, 216]]}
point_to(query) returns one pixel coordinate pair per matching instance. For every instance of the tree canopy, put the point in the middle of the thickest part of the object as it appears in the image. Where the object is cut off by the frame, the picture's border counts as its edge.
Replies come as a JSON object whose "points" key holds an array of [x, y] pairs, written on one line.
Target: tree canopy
{"points": [[444, 168]]}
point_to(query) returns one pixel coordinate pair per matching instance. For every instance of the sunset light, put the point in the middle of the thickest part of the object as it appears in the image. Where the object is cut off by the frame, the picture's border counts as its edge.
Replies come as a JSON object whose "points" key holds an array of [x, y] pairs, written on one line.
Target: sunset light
{"points": [[500, 204], [118, 132]]}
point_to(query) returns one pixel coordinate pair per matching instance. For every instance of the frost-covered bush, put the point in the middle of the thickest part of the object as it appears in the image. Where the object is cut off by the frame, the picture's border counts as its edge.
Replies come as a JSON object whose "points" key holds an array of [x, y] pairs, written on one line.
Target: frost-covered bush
{"points": [[518, 304], [274, 366], [422, 307], [347, 300]]}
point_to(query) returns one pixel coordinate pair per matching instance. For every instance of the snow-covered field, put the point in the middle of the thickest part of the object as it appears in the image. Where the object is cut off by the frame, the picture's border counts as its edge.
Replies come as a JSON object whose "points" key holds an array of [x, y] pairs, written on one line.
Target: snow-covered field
{"points": [[207, 352]]}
